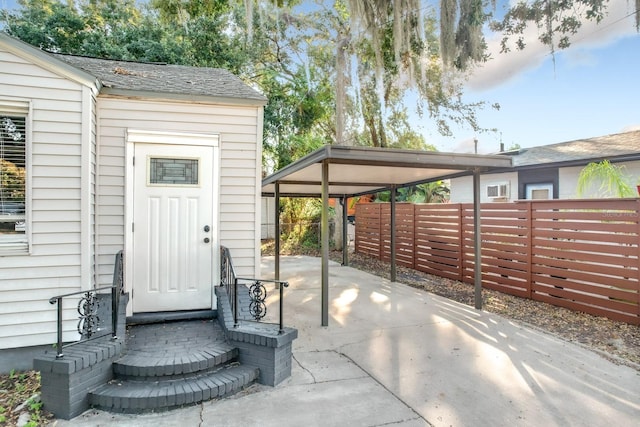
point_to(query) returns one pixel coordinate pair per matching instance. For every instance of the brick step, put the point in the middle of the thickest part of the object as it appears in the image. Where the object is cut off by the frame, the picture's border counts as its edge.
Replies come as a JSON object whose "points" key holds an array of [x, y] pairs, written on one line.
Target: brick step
{"points": [[143, 365], [145, 396]]}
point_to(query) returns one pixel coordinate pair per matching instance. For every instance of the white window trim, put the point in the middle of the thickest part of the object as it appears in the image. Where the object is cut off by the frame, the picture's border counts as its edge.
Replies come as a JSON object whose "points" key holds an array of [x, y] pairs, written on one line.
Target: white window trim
{"points": [[533, 187], [22, 107], [499, 186]]}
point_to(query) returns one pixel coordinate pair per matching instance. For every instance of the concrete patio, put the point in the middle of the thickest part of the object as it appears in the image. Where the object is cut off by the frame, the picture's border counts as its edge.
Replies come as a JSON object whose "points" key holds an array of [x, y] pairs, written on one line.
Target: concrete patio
{"points": [[395, 355]]}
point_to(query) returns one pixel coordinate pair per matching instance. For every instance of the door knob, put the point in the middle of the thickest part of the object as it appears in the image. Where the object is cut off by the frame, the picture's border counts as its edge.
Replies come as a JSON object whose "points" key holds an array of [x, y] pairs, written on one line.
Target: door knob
{"points": [[206, 240], [207, 228]]}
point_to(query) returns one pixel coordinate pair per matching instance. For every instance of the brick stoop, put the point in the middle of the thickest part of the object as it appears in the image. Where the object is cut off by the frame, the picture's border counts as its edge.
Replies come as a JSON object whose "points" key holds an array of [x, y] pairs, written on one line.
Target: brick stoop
{"points": [[144, 395], [260, 344], [173, 364]]}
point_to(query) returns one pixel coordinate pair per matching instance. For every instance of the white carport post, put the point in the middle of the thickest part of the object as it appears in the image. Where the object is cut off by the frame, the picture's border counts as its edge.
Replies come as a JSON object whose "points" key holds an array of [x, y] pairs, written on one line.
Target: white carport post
{"points": [[324, 235], [477, 241]]}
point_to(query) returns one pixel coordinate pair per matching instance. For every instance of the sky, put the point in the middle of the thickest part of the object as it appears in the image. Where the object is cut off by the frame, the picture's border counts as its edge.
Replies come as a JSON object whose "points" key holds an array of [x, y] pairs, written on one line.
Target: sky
{"points": [[591, 89]]}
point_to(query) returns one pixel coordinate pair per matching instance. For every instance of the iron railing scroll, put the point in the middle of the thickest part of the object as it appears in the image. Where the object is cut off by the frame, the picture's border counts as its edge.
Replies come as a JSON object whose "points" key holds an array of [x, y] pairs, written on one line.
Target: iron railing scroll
{"points": [[89, 306], [256, 307]]}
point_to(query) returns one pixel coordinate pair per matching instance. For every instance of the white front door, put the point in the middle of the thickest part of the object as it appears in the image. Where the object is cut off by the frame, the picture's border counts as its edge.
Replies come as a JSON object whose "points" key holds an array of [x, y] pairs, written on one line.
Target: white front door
{"points": [[173, 227]]}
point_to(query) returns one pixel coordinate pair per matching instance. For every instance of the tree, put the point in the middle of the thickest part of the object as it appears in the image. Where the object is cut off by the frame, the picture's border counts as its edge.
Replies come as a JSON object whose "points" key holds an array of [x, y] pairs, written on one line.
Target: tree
{"points": [[101, 28], [428, 192], [398, 52], [556, 20], [605, 180]]}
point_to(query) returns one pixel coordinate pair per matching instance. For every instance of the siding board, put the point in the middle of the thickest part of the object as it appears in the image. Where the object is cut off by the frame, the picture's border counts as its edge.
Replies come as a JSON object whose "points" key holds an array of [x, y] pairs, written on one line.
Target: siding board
{"points": [[237, 127], [56, 147], [63, 129]]}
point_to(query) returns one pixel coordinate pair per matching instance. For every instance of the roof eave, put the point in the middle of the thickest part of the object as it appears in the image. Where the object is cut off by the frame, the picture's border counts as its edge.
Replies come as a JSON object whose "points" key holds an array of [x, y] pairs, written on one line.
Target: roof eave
{"points": [[580, 162], [49, 62], [170, 96]]}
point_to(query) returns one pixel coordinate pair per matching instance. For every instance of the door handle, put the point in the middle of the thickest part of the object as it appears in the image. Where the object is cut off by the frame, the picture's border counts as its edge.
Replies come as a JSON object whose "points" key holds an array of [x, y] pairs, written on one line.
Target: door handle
{"points": [[207, 228], [206, 240]]}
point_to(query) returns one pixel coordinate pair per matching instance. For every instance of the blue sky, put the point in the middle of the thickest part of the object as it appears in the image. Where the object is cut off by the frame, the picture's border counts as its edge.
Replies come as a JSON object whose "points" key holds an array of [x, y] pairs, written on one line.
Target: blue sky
{"points": [[592, 89]]}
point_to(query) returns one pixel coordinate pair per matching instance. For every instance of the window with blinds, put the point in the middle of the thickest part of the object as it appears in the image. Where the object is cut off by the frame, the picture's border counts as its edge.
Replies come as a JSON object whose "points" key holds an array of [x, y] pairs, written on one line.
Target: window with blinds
{"points": [[13, 179]]}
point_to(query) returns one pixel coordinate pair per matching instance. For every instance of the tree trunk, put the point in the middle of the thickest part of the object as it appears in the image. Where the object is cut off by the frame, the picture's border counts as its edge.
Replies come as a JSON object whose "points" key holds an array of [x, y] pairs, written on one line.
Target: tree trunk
{"points": [[341, 63]]}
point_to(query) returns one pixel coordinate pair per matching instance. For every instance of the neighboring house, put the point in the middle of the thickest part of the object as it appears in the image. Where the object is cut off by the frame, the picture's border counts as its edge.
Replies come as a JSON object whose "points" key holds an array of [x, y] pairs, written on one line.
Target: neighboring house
{"points": [[268, 219], [552, 171], [161, 161]]}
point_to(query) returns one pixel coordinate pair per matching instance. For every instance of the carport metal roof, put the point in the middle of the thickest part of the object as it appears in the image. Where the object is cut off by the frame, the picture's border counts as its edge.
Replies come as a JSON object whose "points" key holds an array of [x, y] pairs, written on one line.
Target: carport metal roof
{"points": [[360, 170], [340, 171]]}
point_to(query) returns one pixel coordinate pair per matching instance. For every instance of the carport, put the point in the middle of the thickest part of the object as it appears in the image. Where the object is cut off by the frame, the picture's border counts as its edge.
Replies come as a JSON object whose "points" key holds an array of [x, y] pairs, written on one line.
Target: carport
{"points": [[342, 172]]}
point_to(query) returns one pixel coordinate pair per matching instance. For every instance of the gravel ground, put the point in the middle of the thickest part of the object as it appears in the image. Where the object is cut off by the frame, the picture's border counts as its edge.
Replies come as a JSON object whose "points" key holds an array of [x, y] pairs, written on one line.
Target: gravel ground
{"points": [[616, 341]]}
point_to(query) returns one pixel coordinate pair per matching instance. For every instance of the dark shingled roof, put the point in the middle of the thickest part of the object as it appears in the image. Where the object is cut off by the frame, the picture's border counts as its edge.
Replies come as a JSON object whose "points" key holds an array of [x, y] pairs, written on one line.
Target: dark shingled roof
{"points": [[171, 80], [619, 145]]}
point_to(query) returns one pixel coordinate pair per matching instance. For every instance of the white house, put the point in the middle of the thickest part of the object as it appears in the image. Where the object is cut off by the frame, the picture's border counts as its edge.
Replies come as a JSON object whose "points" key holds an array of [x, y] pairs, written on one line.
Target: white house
{"points": [[97, 156], [552, 171]]}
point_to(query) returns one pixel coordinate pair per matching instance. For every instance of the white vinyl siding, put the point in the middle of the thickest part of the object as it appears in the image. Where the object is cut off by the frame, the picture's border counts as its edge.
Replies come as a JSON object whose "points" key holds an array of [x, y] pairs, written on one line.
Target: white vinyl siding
{"points": [[55, 212], [240, 162]]}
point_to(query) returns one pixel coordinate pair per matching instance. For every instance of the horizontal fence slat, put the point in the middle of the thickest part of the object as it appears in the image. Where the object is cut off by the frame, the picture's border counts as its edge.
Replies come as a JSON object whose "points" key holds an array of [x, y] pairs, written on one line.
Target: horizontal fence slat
{"points": [[579, 254]]}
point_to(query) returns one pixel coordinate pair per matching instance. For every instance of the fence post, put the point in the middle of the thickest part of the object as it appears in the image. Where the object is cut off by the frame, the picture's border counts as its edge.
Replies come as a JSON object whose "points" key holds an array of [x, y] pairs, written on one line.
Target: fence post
{"points": [[392, 233], [530, 250], [380, 238], [413, 236], [460, 243]]}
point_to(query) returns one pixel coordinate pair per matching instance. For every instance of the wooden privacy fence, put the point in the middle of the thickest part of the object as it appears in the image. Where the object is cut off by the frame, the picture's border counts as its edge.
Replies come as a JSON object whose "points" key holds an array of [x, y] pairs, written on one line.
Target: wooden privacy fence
{"points": [[579, 254]]}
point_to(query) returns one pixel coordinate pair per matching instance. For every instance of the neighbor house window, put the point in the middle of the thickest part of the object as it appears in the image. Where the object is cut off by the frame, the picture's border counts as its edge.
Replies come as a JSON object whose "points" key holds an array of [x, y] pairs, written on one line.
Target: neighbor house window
{"points": [[13, 179], [539, 191]]}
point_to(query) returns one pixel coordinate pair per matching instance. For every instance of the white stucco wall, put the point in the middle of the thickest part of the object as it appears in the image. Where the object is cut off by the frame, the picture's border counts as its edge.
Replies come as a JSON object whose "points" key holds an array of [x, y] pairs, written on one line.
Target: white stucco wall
{"points": [[568, 178]]}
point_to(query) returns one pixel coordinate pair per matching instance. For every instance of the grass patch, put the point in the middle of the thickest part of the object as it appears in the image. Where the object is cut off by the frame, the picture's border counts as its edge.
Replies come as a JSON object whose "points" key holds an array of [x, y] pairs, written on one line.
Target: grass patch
{"points": [[20, 394]]}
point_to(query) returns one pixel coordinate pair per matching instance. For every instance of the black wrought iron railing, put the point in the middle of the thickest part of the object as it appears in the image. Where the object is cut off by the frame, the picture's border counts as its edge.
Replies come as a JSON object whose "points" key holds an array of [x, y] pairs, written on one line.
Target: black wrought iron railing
{"points": [[91, 310], [250, 305]]}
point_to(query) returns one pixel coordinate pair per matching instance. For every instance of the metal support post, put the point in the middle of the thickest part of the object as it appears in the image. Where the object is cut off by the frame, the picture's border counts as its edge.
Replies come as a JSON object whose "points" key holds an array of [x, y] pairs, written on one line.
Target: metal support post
{"points": [[477, 242], [393, 234], [324, 235]]}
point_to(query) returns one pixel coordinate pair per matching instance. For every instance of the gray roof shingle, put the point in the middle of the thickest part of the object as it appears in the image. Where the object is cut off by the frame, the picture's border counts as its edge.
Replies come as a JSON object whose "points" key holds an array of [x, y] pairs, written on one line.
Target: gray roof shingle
{"points": [[170, 80], [591, 149]]}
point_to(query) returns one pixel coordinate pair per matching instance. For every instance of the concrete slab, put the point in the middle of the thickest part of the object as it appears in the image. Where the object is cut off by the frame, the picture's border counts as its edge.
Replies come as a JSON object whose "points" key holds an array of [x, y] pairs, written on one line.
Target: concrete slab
{"points": [[395, 355], [325, 389], [94, 418], [450, 363]]}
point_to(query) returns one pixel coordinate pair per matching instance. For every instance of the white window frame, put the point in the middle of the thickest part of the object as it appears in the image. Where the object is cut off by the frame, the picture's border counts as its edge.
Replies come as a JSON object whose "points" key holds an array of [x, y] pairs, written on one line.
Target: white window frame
{"points": [[502, 190], [20, 108], [530, 188]]}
